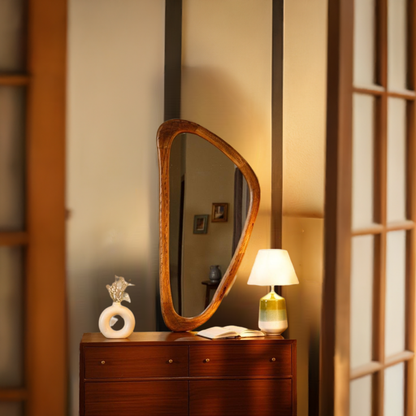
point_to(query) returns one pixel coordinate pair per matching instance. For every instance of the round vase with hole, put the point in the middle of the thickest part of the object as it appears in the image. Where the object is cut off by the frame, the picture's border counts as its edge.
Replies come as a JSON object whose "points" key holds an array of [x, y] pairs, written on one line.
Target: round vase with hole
{"points": [[107, 317], [107, 320]]}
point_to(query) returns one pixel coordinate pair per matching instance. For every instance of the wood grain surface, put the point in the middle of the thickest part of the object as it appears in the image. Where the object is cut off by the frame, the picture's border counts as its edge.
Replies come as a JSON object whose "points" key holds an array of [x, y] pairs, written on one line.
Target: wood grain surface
{"points": [[166, 133], [134, 398], [240, 397], [172, 338], [131, 362], [240, 378], [240, 360]]}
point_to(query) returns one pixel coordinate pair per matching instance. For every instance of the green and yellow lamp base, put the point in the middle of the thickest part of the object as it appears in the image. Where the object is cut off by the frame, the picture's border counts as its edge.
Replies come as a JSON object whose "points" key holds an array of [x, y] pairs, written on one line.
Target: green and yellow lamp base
{"points": [[272, 314]]}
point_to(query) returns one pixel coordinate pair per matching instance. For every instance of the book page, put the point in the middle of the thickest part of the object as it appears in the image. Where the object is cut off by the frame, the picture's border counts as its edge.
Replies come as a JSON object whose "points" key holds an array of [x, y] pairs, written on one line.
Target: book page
{"points": [[233, 328], [244, 332], [215, 331], [230, 331]]}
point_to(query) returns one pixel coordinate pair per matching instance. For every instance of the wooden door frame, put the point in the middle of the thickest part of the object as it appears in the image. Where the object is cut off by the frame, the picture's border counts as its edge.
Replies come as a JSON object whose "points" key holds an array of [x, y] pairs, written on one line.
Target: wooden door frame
{"points": [[46, 320], [335, 347]]}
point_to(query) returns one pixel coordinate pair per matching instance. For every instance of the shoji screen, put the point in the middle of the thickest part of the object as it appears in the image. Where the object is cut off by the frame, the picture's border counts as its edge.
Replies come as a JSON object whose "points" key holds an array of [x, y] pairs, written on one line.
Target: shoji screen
{"points": [[12, 205], [32, 209], [382, 249], [369, 287]]}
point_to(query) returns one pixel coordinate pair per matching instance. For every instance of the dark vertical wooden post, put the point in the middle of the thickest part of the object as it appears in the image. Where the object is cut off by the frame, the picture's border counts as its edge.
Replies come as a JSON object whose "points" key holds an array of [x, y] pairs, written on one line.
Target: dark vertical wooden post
{"points": [[277, 124], [172, 95], [173, 58], [277, 127]]}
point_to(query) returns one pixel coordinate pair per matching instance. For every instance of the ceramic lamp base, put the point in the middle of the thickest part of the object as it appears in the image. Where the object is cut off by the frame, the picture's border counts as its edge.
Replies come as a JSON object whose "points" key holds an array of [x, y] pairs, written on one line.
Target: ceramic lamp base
{"points": [[272, 314]]}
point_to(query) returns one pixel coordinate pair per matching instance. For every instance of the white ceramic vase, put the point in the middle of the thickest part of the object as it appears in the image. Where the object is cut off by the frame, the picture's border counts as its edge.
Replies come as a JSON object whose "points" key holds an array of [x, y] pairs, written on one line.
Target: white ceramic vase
{"points": [[106, 322]]}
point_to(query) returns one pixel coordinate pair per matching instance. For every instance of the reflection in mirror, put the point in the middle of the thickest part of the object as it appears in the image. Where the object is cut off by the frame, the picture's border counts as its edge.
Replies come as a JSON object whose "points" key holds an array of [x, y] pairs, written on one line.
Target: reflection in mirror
{"points": [[203, 235]]}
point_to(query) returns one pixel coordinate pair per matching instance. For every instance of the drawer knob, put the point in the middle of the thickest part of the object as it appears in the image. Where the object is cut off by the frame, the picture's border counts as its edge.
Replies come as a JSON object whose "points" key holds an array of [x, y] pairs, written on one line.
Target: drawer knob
{"points": [[273, 359], [170, 361], [103, 362], [207, 360]]}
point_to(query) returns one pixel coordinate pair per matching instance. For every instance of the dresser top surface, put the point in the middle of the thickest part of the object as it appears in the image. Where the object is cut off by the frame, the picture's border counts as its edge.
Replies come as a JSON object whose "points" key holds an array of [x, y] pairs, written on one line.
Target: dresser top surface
{"points": [[182, 338]]}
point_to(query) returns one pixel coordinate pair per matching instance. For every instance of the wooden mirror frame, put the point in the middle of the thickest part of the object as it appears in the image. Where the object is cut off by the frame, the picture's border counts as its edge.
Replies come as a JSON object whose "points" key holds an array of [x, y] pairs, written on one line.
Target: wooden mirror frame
{"points": [[165, 136]]}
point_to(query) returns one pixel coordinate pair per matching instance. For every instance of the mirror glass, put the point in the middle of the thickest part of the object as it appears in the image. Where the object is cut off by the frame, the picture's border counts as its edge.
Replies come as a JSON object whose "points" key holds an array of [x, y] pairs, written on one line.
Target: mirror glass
{"points": [[209, 200]]}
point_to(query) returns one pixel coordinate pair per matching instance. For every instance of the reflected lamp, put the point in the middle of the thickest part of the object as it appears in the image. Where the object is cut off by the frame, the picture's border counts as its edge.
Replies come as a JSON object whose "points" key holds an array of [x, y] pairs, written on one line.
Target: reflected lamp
{"points": [[273, 267]]}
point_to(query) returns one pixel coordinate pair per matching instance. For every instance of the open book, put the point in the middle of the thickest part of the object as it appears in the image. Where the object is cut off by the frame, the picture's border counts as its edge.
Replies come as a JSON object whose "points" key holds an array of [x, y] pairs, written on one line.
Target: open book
{"points": [[230, 331]]}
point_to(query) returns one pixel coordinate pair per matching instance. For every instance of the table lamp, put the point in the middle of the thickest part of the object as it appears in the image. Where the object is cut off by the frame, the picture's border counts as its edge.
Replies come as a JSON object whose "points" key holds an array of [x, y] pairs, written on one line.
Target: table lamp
{"points": [[273, 267]]}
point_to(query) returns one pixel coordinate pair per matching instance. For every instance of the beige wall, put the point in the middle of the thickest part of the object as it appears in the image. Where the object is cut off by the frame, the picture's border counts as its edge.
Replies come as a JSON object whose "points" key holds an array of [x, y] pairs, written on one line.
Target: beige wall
{"points": [[115, 105], [303, 238], [304, 118], [304, 107]]}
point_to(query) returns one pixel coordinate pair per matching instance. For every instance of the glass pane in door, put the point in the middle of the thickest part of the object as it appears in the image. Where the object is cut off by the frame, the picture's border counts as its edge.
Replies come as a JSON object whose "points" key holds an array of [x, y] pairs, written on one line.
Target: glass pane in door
{"points": [[11, 409], [12, 158], [396, 160], [364, 41], [362, 270], [363, 161], [394, 390], [360, 396], [12, 35], [395, 293], [397, 44], [11, 317]]}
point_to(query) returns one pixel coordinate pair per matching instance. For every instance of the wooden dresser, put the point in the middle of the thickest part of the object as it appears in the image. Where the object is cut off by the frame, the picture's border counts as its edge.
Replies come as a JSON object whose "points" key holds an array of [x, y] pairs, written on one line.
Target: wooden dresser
{"points": [[179, 374]]}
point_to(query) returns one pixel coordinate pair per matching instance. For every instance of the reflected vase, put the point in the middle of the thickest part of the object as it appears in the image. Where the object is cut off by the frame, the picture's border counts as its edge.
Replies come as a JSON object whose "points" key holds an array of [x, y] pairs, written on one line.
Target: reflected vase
{"points": [[215, 273]]}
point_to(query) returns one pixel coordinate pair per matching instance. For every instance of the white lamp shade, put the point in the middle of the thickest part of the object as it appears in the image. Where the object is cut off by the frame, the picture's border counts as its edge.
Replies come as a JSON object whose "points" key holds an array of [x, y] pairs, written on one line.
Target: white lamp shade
{"points": [[273, 267]]}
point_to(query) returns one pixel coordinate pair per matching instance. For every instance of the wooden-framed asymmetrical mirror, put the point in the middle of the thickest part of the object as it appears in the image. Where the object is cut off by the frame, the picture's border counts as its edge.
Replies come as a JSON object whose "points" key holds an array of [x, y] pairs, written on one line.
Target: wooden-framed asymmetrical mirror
{"points": [[188, 150]]}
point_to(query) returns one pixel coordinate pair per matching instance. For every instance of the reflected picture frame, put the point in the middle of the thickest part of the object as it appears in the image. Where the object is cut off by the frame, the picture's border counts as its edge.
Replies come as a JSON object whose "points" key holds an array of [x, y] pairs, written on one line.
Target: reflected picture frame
{"points": [[201, 224], [219, 212]]}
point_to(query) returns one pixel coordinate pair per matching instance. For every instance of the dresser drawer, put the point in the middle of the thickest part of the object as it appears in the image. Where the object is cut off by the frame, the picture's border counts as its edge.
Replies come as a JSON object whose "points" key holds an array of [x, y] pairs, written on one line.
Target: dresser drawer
{"points": [[134, 398], [136, 362], [241, 398], [249, 360]]}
